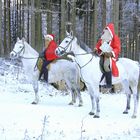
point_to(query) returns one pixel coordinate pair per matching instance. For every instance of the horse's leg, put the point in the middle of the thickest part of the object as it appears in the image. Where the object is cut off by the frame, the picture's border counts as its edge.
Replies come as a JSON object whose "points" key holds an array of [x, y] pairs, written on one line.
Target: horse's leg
{"points": [[78, 93], [127, 91], [91, 93], [73, 96], [94, 99], [35, 87], [97, 106], [69, 86], [135, 96]]}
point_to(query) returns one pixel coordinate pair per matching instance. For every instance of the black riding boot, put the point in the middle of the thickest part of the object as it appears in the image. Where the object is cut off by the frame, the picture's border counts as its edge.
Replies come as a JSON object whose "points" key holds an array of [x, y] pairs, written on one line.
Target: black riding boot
{"points": [[40, 75], [46, 75], [108, 77], [44, 70]]}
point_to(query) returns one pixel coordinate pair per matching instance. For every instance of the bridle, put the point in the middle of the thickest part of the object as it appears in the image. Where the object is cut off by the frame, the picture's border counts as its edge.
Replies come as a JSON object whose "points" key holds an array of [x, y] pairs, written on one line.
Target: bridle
{"points": [[23, 50], [64, 50], [18, 53]]}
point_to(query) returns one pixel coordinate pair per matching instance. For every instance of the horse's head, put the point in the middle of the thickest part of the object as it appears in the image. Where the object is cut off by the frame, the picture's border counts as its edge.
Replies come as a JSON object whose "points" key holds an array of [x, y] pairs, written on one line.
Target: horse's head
{"points": [[66, 45], [18, 49]]}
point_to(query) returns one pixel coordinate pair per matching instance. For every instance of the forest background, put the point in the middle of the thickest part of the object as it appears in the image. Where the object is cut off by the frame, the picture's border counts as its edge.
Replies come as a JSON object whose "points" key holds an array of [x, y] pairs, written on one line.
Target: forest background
{"points": [[33, 19]]}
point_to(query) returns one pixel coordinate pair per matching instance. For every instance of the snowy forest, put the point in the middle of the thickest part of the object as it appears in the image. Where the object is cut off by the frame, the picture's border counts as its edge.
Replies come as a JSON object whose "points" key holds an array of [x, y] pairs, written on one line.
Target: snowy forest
{"points": [[33, 19], [54, 116]]}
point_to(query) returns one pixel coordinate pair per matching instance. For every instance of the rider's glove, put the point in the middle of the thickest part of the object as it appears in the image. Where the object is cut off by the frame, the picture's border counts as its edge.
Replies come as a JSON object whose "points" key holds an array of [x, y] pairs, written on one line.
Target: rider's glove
{"points": [[95, 51]]}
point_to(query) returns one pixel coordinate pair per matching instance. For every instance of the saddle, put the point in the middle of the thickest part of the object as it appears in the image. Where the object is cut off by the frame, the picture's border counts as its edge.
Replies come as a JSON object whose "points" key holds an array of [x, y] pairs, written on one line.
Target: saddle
{"points": [[39, 63], [40, 60]]}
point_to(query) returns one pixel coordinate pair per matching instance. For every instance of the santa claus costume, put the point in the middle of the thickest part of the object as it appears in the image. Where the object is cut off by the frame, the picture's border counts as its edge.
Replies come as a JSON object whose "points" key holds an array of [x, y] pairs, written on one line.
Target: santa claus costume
{"points": [[49, 55], [113, 40]]}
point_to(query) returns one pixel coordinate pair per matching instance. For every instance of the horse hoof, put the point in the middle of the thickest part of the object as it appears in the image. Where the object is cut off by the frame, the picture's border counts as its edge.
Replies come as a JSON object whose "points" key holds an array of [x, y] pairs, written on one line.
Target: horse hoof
{"points": [[125, 112], [80, 105], [96, 116], [34, 103], [91, 113], [70, 103], [134, 117]]}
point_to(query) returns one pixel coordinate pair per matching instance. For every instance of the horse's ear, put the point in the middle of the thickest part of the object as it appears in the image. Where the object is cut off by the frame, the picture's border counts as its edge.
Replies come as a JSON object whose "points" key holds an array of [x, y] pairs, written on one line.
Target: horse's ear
{"points": [[23, 39], [67, 33], [71, 33], [18, 39]]}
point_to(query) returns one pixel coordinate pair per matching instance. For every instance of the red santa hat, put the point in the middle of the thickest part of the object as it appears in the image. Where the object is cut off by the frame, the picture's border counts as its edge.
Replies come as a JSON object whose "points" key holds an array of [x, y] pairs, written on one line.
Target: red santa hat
{"points": [[50, 36], [111, 29]]}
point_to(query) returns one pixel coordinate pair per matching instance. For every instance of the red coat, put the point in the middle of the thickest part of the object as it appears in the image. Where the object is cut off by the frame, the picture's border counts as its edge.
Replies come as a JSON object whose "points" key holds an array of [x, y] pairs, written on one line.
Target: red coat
{"points": [[50, 51], [116, 48]]}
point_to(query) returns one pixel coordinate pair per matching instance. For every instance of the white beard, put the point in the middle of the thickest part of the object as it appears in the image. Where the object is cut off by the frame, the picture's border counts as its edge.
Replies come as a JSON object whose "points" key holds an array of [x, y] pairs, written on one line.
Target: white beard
{"points": [[106, 36]]}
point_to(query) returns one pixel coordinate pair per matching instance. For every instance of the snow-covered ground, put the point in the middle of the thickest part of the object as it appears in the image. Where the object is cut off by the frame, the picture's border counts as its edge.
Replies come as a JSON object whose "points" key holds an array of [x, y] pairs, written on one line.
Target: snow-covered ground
{"points": [[53, 118]]}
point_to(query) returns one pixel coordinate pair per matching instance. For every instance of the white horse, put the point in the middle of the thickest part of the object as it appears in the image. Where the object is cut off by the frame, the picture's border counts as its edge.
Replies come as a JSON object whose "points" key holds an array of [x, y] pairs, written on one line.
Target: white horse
{"points": [[91, 74], [60, 70]]}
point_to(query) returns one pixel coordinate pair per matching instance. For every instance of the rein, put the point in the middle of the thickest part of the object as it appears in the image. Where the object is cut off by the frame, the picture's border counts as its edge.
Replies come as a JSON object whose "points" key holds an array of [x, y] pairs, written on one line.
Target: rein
{"points": [[65, 49], [84, 64], [70, 43], [28, 57]]}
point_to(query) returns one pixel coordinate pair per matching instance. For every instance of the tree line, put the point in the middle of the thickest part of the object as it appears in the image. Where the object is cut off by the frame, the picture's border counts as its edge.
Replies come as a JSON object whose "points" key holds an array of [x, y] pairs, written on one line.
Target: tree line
{"points": [[33, 19]]}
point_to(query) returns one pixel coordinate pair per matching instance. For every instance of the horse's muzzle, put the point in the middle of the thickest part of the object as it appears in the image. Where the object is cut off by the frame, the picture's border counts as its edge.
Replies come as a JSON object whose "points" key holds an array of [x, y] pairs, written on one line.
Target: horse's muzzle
{"points": [[59, 52], [13, 55]]}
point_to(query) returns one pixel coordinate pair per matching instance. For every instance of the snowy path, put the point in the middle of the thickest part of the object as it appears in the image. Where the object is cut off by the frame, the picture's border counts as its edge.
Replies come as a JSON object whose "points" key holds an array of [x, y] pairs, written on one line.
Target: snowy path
{"points": [[54, 119]]}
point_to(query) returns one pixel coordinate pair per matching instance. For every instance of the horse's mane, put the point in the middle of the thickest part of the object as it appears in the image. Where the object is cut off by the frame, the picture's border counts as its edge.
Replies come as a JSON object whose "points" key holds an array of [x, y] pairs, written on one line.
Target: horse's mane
{"points": [[84, 46], [31, 49]]}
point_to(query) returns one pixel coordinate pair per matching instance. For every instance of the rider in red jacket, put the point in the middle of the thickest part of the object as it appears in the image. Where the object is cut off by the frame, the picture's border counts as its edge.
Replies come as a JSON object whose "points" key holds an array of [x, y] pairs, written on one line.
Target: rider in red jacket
{"points": [[48, 54], [113, 40]]}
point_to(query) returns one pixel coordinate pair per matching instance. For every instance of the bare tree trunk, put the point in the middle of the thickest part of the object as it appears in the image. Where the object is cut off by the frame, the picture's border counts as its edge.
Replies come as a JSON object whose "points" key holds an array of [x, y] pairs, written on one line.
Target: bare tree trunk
{"points": [[95, 24], [103, 14], [120, 17], [17, 19], [68, 17], [38, 27], [32, 24], [86, 24], [0, 27], [62, 20], [22, 19], [28, 20], [73, 18], [116, 15], [5, 21], [91, 24], [136, 31], [9, 27], [49, 17]]}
